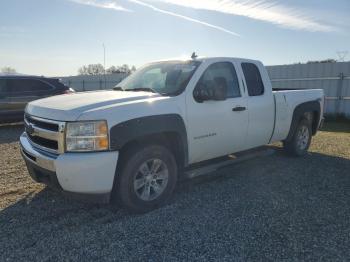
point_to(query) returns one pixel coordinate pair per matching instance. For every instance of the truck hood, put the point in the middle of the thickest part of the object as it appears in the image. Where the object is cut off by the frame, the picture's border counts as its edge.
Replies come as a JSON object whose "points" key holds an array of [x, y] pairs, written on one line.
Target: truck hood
{"points": [[70, 106]]}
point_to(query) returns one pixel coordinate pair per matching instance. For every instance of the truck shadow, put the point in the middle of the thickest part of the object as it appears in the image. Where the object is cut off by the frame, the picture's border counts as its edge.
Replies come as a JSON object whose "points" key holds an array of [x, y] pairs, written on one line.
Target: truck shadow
{"points": [[310, 195], [10, 132]]}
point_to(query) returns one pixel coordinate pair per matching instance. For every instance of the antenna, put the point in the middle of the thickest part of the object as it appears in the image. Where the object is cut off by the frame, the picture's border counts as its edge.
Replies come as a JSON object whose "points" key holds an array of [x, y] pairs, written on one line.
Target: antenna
{"points": [[342, 55], [194, 56]]}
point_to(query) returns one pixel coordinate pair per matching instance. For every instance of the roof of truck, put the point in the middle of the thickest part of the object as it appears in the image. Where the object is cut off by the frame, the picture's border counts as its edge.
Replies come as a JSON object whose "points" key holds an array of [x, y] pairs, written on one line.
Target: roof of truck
{"points": [[203, 59], [225, 58]]}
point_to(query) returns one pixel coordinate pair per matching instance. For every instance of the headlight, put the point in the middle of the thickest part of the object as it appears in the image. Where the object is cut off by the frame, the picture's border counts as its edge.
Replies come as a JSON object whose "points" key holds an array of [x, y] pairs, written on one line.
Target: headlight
{"points": [[87, 136]]}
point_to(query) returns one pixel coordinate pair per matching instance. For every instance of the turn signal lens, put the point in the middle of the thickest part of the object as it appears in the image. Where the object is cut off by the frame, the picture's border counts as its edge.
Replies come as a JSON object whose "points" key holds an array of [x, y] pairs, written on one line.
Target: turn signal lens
{"points": [[103, 142]]}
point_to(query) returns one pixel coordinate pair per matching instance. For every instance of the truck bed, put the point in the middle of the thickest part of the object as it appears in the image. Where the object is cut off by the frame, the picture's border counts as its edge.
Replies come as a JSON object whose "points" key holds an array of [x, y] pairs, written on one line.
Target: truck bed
{"points": [[286, 100]]}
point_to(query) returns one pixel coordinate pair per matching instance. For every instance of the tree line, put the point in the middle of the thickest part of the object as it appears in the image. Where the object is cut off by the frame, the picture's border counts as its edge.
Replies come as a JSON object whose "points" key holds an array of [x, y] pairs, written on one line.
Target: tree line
{"points": [[98, 69], [92, 69], [8, 70]]}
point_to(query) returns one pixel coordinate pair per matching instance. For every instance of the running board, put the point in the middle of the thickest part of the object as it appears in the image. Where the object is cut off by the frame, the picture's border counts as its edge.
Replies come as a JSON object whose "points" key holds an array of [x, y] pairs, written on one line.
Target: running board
{"points": [[233, 159]]}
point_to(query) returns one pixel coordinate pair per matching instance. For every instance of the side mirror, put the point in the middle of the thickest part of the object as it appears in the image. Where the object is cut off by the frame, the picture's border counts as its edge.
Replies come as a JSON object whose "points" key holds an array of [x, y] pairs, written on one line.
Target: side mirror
{"points": [[201, 94]]}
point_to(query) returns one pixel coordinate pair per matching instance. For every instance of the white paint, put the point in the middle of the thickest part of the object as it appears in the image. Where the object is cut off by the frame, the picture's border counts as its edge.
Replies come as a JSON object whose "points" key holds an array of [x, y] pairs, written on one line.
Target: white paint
{"points": [[287, 101], [91, 173], [261, 110], [69, 107]]}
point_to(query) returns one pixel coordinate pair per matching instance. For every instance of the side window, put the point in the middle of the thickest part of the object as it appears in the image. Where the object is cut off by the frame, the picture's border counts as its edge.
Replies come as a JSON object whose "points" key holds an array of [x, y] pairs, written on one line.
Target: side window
{"points": [[28, 85], [253, 79], [221, 73]]}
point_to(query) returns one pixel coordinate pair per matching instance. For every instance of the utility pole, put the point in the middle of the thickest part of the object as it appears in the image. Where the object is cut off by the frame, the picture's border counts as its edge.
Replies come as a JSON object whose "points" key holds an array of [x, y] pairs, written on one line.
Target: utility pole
{"points": [[342, 55], [104, 63]]}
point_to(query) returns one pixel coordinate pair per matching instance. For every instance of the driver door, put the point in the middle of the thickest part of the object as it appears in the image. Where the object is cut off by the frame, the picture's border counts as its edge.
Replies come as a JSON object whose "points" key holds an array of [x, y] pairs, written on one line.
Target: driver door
{"points": [[217, 128]]}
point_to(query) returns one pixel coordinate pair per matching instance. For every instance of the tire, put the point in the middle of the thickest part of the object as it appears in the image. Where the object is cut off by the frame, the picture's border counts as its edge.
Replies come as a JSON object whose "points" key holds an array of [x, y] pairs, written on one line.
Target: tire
{"points": [[146, 179], [300, 142]]}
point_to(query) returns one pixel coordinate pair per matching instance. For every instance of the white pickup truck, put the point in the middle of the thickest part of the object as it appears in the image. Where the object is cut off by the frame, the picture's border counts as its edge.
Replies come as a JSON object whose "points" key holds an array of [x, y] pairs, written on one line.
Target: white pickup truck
{"points": [[131, 144]]}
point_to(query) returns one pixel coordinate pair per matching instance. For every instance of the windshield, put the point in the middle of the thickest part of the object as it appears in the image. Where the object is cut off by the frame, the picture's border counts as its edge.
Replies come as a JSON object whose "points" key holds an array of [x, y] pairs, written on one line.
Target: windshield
{"points": [[166, 78]]}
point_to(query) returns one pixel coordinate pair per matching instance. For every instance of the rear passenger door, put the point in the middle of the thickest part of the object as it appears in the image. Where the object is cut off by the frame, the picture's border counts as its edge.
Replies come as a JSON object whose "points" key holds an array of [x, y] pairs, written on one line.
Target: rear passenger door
{"points": [[260, 103], [25, 90]]}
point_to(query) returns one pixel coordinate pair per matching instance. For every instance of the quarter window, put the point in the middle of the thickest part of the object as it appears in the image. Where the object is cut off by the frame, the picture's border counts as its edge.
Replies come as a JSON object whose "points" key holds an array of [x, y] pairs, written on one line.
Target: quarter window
{"points": [[221, 73], [253, 79]]}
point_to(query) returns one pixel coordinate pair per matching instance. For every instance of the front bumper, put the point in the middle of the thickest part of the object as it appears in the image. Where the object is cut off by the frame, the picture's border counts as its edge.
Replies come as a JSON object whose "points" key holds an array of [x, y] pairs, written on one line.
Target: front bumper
{"points": [[87, 176]]}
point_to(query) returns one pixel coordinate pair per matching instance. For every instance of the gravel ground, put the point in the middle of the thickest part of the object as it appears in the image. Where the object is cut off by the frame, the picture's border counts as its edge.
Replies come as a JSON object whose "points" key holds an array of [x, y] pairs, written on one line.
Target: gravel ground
{"points": [[269, 208]]}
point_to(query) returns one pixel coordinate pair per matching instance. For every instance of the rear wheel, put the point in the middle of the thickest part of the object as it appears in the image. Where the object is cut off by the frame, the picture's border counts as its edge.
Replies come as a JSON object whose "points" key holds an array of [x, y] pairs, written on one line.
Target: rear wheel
{"points": [[147, 178], [301, 140]]}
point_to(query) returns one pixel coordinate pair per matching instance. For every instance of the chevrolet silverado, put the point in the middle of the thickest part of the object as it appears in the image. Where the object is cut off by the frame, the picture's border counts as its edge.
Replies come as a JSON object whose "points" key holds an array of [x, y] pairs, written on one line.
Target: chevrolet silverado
{"points": [[130, 145]]}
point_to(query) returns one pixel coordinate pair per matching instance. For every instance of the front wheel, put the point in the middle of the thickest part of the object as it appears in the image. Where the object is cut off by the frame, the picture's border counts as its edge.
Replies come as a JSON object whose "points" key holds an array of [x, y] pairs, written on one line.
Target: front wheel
{"points": [[147, 178], [301, 140]]}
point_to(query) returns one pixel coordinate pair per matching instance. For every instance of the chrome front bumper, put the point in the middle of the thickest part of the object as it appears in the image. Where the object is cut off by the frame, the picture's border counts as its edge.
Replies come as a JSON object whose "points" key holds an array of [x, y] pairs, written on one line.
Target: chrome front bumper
{"points": [[85, 175], [35, 156]]}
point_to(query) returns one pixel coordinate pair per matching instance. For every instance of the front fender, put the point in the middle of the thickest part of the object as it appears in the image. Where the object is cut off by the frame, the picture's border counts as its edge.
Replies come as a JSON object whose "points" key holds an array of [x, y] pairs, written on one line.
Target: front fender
{"points": [[133, 129]]}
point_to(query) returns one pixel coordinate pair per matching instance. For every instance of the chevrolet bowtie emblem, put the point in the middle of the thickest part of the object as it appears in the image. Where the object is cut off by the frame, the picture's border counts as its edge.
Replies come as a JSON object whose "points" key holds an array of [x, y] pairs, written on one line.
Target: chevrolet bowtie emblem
{"points": [[29, 129]]}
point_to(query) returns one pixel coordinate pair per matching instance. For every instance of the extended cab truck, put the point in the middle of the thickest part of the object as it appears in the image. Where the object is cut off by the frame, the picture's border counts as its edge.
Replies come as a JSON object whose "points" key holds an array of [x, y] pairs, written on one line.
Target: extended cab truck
{"points": [[131, 144]]}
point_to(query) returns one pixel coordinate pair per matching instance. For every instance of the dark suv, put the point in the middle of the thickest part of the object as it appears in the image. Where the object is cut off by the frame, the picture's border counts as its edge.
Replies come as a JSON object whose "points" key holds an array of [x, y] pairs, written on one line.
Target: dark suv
{"points": [[16, 91]]}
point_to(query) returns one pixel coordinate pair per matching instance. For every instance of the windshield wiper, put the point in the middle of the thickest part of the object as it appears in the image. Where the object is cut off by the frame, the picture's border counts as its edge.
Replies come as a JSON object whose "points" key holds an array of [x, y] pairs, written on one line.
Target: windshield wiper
{"points": [[146, 89]]}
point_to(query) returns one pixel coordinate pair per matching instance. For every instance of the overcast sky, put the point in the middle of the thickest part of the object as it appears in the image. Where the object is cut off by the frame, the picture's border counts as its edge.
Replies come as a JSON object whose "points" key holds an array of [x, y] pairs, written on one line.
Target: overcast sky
{"points": [[56, 37]]}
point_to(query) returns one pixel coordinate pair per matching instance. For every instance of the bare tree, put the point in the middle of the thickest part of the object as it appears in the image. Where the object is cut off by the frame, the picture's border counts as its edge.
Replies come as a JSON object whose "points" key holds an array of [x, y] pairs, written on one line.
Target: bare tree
{"points": [[124, 69], [8, 70], [97, 69], [112, 70], [92, 69], [330, 60]]}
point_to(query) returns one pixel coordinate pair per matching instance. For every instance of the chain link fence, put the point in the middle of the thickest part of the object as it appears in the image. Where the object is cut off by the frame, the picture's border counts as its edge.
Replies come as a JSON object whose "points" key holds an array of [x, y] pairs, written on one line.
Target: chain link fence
{"points": [[88, 83]]}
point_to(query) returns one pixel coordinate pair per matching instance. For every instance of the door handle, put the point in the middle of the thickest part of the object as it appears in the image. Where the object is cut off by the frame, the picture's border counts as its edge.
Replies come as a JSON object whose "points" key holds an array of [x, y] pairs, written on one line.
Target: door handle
{"points": [[239, 108]]}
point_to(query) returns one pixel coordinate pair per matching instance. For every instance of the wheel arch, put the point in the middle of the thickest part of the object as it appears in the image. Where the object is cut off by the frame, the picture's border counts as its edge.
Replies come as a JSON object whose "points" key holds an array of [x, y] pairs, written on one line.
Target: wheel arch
{"points": [[168, 130], [301, 112]]}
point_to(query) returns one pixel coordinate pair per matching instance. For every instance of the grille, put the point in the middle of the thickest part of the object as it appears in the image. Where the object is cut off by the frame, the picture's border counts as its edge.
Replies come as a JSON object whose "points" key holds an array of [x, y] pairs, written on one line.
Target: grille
{"points": [[44, 125], [45, 134], [44, 142]]}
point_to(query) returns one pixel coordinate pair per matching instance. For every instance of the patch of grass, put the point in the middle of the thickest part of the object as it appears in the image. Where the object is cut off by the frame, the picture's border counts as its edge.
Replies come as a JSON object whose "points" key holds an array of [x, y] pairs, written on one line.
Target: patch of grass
{"points": [[333, 139]]}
